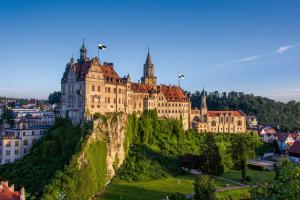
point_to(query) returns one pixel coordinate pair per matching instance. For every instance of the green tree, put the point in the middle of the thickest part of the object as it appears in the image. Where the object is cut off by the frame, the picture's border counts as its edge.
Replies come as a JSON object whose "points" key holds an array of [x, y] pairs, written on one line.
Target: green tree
{"points": [[282, 162], [243, 148], [7, 116], [204, 188], [213, 161], [285, 187], [54, 97]]}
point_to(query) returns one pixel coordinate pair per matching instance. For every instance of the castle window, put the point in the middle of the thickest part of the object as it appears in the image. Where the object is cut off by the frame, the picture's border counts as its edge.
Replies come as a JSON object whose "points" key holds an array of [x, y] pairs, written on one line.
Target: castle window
{"points": [[25, 142], [115, 90], [239, 123], [213, 123], [93, 88], [98, 88]]}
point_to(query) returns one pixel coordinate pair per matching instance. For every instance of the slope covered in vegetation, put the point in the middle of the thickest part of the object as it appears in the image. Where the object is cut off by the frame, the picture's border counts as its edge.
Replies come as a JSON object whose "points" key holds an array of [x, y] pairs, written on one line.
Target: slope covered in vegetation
{"points": [[51, 169], [159, 144]]}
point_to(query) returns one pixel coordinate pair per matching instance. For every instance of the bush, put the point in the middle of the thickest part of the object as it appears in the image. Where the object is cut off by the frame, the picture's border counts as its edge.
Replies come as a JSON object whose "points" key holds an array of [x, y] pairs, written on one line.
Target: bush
{"points": [[178, 196]]}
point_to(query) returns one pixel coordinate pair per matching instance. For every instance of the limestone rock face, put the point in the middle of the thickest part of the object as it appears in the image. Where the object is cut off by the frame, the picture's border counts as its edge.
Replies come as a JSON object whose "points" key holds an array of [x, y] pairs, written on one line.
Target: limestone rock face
{"points": [[111, 128]]}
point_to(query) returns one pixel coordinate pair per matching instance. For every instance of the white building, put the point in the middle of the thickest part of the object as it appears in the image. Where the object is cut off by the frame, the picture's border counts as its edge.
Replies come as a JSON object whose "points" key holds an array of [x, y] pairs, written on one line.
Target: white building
{"points": [[16, 142]]}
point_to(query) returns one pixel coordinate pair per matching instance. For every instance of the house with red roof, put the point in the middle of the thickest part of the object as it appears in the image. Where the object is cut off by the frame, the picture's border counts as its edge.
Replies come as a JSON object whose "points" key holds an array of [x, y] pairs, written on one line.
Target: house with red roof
{"points": [[8, 192], [294, 151]]}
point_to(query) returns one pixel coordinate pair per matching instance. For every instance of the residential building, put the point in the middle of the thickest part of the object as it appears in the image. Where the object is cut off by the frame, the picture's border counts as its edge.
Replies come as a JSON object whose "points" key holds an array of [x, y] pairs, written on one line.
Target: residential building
{"points": [[8, 192], [285, 141], [17, 141], [251, 122], [294, 151]]}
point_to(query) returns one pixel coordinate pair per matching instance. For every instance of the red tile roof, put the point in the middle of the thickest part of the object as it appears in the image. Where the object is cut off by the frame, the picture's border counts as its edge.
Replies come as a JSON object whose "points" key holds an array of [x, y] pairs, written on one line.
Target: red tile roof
{"points": [[173, 93], [141, 88], [110, 74], [295, 148], [7, 194], [217, 113]]}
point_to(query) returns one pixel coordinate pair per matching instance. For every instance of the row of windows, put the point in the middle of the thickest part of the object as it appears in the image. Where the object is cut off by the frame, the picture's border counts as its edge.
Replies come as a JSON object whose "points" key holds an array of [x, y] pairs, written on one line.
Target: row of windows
{"points": [[108, 89], [25, 142], [170, 111], [8, 152], [12, 133], [214, 123]]}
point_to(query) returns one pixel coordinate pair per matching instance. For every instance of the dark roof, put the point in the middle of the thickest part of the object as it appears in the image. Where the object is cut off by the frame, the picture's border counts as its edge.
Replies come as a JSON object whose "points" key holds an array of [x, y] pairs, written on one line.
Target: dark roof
{"points": [[282, 136], [148, 59]]}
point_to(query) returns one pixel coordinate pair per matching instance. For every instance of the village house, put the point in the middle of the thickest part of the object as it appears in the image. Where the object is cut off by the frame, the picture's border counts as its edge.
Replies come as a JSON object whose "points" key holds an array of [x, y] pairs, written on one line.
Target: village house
{"points": [[285, 141], [8, 192], [294, 151]]}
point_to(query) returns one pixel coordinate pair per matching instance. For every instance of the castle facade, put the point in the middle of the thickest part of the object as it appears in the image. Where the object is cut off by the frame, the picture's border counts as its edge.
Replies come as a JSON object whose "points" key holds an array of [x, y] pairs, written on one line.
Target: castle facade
{"points": [[89, 87]]}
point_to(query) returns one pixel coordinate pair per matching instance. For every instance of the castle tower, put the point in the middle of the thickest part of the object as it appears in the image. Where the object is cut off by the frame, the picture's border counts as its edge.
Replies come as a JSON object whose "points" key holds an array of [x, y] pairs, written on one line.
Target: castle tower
{"points": [[83, 52], [203, 108], [148, 77]]}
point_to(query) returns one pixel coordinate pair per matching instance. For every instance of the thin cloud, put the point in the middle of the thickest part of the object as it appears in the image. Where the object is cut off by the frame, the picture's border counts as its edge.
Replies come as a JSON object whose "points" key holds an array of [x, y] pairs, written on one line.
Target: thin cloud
{"points": [[4, 88], [279, 50]]}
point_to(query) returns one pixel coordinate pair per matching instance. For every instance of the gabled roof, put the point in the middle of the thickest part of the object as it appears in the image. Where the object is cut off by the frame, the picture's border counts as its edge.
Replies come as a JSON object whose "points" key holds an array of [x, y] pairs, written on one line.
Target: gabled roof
{"points": [[217, 113], [282, 136], [294, 135], [295, 148], [141, 88], [109, 74], [173, 93]]}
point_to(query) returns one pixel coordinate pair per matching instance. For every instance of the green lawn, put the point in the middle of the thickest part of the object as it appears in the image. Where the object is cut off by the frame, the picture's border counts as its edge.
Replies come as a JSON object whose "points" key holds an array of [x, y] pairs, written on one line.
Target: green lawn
{"points": [[158, 189], [256, 176], [153, 189]]}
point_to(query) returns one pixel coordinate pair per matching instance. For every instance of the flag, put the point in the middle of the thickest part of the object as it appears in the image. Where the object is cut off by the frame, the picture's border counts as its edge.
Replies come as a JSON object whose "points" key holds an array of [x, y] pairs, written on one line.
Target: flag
{"points": [[101, 46], [181, 76]]}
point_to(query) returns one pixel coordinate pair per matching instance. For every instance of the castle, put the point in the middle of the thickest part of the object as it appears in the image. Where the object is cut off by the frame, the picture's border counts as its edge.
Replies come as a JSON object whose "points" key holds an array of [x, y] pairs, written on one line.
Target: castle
{"points": [[89, 87]]}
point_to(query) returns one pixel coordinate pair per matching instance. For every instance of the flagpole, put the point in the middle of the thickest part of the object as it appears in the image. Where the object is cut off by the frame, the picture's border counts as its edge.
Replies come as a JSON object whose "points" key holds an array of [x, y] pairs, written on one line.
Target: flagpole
{"points": [[98, 51], [178, 79]]}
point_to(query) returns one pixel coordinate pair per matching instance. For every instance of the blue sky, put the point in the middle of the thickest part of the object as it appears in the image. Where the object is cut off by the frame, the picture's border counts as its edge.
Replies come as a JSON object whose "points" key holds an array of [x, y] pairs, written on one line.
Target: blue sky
{"points": [[249, 46]]}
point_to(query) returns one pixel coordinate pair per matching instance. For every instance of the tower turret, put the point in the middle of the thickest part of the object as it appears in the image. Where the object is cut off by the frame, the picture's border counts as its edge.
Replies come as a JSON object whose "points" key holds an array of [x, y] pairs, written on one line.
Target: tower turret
{"points": [[83, 52], [148, 76], [203, 108]]}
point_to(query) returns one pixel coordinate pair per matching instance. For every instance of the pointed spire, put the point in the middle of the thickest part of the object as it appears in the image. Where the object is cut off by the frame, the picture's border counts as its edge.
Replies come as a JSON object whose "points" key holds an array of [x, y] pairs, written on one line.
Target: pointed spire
{"points": [[148, 60], [83, 45], [203, 91]]}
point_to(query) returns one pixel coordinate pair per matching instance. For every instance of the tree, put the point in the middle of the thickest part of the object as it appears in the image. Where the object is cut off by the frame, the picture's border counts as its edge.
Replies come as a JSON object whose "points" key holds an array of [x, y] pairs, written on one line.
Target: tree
{"points": [[213, 161], [54, 97], [243, 149], [285, 187], [204, 188], [7, 117], [283, 162]]}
